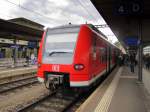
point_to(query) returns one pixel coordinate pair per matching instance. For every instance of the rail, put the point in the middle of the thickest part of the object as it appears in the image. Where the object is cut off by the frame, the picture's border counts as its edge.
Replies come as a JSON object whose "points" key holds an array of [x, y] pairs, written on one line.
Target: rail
{"points": [[58, 101], [9, 86]]}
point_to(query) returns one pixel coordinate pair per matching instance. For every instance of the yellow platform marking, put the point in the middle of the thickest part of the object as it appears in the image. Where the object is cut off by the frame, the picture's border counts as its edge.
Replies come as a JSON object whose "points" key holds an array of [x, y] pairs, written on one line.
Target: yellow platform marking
{"points": [[129, 77], [104, 104]]}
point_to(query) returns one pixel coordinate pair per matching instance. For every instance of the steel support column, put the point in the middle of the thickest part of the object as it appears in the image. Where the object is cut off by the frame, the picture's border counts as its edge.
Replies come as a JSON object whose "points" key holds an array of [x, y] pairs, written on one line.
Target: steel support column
{"points": [[15, 52], [140, 52], [140, 65], [37, 47]]}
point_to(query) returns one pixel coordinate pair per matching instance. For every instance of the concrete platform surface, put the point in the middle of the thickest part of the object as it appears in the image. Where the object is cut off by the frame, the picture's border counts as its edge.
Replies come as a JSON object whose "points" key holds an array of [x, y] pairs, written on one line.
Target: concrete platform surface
{"points": [[17, 71], [123, 94]]}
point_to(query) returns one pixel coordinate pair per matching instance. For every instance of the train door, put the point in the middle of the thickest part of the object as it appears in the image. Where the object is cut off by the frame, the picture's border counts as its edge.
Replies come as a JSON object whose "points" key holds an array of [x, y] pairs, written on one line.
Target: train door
{"points": [[94, 55], [107, 63], [109, 58]]}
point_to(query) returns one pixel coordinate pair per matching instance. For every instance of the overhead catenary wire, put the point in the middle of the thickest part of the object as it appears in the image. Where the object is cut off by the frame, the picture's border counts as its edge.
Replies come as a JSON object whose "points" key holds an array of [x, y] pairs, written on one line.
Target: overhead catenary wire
{"points": [[77, 3], [85, 8], [46, 17], [49, 18], [91, 15], [9, 16], [31, 11]]}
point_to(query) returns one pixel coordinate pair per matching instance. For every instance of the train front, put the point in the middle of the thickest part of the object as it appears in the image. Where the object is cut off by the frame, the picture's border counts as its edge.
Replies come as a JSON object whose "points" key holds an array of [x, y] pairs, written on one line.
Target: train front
{"points": [[55, 59]]}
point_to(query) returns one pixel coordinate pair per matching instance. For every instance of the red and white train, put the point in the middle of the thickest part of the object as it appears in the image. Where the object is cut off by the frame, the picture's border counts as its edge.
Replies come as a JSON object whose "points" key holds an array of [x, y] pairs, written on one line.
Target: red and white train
{"points": [[76, 56]]}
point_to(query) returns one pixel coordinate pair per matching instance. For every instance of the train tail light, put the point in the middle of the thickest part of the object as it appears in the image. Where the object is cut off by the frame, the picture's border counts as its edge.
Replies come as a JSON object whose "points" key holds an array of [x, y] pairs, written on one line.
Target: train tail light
{"points": [[79, 66]]}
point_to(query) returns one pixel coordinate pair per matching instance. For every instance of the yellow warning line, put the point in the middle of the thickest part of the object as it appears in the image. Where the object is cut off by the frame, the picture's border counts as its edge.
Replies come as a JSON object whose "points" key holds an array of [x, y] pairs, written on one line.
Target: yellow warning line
{"points": [[129, 77], [103, 105]]}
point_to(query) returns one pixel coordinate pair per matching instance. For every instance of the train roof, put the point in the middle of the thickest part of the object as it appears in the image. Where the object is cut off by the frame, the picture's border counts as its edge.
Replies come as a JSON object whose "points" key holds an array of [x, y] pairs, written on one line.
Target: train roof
{"points": [[70, 26], [101, 34], [65, 26]]}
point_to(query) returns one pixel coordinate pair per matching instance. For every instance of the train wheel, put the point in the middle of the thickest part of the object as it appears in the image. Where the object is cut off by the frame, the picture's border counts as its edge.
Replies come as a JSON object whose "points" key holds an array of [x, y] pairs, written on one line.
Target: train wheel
{"points": [[46, 84], [52, 87]]}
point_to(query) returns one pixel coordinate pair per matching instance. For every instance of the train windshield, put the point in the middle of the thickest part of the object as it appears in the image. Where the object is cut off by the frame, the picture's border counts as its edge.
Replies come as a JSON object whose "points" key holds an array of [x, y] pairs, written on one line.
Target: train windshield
{"points": [[59, 47]]}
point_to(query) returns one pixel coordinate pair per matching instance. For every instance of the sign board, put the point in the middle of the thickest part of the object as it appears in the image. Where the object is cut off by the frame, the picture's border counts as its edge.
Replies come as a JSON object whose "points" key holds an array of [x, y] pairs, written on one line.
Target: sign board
{"points": [[14, 46], [128, 7], [32, 44], [131, 41]]}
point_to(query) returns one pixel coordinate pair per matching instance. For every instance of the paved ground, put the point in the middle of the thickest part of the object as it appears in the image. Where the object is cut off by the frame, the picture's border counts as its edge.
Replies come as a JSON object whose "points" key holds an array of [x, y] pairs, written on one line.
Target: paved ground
{"points": [[123, 94], [127, 97], [10, 102]]}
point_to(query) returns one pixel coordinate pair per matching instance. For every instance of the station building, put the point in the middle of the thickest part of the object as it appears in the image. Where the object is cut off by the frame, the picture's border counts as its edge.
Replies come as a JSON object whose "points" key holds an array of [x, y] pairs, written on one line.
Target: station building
{"points": [[146, 50], [24, 47]]}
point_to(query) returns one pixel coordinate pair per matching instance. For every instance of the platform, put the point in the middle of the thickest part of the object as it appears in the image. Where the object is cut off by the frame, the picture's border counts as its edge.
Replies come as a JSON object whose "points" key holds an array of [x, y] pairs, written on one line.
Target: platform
{"points": [[17, 71], [120, 92]]}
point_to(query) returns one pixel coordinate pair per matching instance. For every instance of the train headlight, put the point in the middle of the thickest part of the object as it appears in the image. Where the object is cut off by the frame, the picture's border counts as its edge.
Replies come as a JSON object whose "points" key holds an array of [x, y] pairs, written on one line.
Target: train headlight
{"points": [[79, 67], [39, 65]]}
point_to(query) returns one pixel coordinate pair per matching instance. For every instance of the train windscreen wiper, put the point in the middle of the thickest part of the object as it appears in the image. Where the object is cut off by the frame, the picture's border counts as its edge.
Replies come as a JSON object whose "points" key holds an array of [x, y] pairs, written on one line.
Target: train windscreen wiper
{"points": [[58, 52]]}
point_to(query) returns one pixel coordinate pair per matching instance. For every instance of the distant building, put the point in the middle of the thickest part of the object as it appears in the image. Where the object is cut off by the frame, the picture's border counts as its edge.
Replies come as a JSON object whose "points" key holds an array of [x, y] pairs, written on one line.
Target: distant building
{"points": [[27, 22], [24, 48], [146, 50]]}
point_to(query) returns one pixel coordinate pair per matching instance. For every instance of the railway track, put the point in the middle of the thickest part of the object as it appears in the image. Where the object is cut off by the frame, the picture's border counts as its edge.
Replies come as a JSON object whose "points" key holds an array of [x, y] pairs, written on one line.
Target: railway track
{"points": [[58, 101], [12, 85], [61, 100]]}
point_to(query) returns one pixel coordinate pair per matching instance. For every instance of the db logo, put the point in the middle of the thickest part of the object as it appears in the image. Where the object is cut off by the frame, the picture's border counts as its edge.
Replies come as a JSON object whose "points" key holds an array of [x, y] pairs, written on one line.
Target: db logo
{"points": [[55, 68]]}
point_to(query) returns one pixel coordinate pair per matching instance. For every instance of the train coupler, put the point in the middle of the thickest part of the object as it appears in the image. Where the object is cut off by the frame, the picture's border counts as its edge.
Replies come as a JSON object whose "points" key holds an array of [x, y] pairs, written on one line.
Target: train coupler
{"points": [[53, 82]]}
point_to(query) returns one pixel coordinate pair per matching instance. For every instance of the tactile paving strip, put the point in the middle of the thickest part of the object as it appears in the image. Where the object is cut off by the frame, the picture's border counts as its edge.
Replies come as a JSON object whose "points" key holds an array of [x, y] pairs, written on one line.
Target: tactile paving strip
{"points": [[103, 105]]}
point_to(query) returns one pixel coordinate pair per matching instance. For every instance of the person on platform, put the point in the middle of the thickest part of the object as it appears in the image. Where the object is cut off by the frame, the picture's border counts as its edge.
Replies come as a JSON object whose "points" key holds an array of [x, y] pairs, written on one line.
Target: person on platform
{"points": [[32, 58], [126, 60], [27, 60], [120, 58], [148, 62], [132, 62]]}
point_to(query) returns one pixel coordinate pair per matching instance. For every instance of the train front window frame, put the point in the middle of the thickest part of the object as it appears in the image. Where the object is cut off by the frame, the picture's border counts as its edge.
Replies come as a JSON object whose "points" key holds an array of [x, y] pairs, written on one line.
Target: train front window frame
{"points": [[59, 44]]}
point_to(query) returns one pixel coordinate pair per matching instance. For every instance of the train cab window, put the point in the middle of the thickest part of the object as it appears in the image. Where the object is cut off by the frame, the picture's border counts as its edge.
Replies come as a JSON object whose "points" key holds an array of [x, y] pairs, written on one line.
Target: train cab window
{"points": [[59, 47], [61, 42]]}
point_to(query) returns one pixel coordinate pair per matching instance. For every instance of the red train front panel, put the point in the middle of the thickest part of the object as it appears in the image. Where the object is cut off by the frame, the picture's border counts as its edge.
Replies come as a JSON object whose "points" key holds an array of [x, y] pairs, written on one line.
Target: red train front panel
{"points": [[76, 53], [65, 52]]}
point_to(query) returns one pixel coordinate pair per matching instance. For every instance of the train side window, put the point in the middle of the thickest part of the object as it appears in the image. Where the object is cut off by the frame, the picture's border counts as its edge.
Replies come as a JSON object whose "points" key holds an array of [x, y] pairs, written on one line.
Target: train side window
{"points": [[94, 45], [111, 53], [102, 54], [94, 48]]}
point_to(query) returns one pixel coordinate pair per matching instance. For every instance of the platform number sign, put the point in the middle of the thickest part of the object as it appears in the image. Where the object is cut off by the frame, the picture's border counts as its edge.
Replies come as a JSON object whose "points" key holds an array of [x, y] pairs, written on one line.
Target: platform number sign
{"points": [[132, 7], [135, 7], [121, 9]]}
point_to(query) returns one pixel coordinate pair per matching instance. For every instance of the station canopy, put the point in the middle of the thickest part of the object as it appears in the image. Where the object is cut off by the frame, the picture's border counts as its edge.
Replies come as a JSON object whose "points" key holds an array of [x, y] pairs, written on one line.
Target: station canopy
{"points": [[128, 19], [14, 29]]}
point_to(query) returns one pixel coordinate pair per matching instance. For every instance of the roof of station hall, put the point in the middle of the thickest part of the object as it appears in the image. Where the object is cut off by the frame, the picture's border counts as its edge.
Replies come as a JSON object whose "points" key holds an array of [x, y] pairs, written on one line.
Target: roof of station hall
{"points": [[126, 23], [21, 28]]}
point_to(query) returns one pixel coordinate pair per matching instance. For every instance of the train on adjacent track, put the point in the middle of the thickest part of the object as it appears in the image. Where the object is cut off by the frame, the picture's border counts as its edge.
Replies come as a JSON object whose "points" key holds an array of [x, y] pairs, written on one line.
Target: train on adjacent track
{"points": [[75, 56]]}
